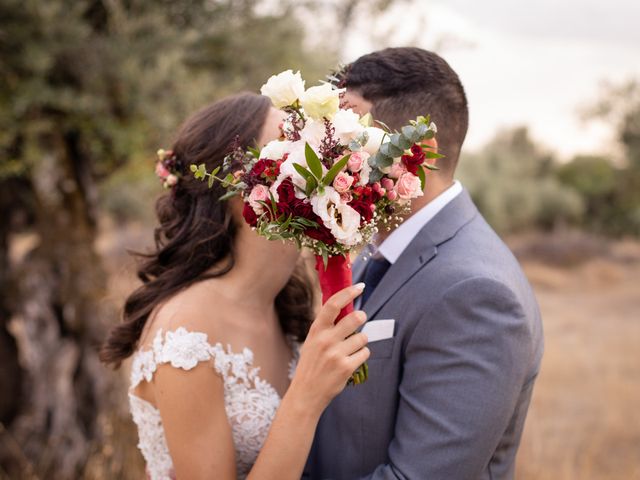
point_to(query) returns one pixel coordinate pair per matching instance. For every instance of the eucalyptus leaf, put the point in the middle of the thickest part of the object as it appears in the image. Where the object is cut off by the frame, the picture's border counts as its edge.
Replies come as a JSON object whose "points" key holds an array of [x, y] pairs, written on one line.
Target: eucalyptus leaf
{"points": [[385, 162], [409, 132], [375, 176], [229, 194], [399, 141], [390, 150]]}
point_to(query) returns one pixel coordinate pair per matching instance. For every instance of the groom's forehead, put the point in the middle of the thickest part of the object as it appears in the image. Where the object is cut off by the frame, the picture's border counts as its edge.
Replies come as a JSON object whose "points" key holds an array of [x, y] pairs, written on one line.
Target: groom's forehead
{"points": [[352, 99]]}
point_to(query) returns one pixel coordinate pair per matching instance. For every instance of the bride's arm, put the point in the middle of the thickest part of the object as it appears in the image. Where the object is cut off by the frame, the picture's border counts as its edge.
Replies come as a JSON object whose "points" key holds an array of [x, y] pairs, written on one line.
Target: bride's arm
{"points": [[327, 361], [191, 403]]}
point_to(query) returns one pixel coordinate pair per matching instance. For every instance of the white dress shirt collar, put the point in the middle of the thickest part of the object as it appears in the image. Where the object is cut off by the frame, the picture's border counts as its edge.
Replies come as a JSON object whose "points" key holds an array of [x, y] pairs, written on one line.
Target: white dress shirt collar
{"points": [[393, 246]]}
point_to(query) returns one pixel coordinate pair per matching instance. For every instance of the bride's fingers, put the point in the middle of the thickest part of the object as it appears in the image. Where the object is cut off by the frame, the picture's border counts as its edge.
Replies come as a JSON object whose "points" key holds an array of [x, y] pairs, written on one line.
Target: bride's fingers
{"points": [[358, 358], [349, 324], [330, 310], [353, 343]]}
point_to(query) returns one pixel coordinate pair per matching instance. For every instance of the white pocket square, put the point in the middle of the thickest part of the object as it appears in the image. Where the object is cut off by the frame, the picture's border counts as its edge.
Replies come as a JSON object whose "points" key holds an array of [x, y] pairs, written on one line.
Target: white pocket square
{"points": [[379, 329]]}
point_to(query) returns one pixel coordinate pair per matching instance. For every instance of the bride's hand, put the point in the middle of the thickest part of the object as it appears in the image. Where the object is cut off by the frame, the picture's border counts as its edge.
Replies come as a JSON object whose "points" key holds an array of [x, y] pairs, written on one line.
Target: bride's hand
{"points": [[330, 353]]}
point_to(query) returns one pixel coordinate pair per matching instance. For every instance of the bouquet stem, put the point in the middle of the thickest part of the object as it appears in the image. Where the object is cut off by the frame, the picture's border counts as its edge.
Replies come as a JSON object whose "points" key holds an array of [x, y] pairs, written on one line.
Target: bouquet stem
{"points": [[333, 278]]}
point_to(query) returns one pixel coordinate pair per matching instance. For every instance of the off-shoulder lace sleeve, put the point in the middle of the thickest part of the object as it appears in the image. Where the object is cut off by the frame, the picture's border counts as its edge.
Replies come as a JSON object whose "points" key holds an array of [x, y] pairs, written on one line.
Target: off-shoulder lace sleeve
{"points": [[179, 348]]}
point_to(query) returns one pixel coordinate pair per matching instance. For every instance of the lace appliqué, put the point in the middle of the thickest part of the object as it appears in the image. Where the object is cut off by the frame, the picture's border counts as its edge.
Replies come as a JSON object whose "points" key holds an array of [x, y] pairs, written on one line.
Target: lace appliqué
{"points": [[250, 402]]}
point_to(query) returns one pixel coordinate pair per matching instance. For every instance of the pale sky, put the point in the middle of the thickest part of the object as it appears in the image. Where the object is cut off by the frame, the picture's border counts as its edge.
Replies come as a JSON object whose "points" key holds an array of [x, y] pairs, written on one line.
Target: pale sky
{"points": [[535, 63]]}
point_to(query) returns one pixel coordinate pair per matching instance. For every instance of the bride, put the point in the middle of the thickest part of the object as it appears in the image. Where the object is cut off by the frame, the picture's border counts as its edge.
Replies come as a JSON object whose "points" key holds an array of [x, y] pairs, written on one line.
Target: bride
{"points": [[214, 330]]}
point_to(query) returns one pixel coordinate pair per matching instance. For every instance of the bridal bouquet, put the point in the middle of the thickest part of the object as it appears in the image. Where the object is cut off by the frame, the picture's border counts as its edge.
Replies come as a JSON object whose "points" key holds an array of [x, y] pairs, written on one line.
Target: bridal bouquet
{"points": [[330, 181]]}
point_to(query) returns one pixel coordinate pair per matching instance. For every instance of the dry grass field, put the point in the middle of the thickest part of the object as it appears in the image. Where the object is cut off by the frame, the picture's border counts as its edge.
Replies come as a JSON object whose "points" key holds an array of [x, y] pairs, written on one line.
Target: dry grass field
{"points": [[584, 421]]}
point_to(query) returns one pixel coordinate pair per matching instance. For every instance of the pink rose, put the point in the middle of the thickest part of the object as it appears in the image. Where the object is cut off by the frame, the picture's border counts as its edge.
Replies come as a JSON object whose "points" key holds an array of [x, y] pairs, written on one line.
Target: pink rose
{"points": [[387, 183], [392, 195], [408, 186], [161, 170], [342, 182], [397, 170], [356, 161], [260, 193]]}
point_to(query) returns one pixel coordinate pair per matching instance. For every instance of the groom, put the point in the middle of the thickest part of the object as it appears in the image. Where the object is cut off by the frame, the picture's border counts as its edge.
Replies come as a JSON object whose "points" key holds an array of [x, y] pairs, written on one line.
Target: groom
{"points": [[448, 392]]}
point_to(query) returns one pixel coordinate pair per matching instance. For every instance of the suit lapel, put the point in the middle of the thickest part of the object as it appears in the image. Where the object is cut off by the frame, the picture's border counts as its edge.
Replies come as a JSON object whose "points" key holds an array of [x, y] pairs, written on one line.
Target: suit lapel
{"points": [[422, 249]]}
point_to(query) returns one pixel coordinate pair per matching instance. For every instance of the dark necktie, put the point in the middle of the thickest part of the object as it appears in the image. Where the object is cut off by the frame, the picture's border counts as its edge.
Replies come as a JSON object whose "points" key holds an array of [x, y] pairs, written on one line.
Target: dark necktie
{"points": [[374, 272]]}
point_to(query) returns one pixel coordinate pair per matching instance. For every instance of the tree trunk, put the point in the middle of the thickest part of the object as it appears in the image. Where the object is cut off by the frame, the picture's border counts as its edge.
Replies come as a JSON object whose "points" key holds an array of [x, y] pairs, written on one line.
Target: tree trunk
{"points": [[59, 322]]}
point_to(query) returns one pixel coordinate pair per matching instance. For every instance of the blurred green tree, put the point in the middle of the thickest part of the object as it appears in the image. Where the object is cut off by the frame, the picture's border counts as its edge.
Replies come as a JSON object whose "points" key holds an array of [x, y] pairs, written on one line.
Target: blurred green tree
{"points": [[611, 190], [88, 88], [512, 182]]}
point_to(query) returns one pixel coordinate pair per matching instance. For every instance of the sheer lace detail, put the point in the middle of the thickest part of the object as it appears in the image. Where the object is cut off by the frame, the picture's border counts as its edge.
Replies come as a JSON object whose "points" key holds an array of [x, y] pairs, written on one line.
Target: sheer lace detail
{"points": [[250, 402]]}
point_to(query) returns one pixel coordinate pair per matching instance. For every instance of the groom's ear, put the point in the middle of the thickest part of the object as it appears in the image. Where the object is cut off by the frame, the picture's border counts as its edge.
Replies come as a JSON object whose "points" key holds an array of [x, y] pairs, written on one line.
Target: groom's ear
{"points": [[432, 143]]}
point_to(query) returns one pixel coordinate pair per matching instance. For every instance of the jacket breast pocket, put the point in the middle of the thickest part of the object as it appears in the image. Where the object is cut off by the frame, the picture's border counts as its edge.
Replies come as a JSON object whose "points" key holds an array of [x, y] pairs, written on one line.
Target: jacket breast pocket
{"points": [[381, 349]]}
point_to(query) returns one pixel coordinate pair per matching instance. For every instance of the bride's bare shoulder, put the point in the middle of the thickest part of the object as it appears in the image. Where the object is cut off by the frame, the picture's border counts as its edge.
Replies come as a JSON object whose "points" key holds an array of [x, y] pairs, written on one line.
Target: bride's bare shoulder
{"points": [[196, 308]]}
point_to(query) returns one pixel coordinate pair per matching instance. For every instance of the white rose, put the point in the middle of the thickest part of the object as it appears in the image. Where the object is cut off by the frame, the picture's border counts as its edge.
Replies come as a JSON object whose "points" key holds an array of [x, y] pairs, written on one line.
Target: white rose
{"points": [[313, 133], [342, 220], [275, 149], [347, 125], [296, 155], [283, 89], [376, 136], [321, 102]]}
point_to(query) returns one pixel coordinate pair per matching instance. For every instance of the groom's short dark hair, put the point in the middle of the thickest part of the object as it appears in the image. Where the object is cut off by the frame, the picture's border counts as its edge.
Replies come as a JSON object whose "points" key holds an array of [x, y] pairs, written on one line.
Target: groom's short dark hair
{"points": [[403, 83]]}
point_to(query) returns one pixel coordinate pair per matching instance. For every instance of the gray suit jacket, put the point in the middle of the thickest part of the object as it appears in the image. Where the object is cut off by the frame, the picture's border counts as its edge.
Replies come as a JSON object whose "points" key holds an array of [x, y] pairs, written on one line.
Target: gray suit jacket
{"points": [[446, 397]]}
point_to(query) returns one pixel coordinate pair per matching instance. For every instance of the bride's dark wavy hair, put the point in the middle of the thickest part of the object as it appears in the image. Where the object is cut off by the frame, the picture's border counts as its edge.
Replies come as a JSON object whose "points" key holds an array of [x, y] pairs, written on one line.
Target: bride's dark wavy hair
{"points": [[195, 237]]}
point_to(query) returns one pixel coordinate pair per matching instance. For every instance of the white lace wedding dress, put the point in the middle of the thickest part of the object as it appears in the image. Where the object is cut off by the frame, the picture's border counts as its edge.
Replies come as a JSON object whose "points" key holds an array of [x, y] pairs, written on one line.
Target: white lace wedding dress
{"points": [[250, 402]]}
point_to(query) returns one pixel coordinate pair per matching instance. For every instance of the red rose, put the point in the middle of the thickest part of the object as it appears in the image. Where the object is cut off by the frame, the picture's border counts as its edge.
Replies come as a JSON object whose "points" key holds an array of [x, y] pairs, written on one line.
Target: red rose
{"points": [[259, 168], [321, 233], [412, 162], [303, 209], [363, 208], [286, 191], [249, 215], [273, 169]]}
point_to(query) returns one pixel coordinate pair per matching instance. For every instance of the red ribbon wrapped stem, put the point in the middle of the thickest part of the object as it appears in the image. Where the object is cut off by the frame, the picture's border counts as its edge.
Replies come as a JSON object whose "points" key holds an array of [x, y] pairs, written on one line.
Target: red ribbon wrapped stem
{"points": [[334, 278]]}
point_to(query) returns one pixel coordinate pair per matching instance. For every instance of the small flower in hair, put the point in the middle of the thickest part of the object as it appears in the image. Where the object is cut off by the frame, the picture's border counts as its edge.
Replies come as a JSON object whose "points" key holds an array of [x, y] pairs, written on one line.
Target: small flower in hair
{"points": [[166, 168]]}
